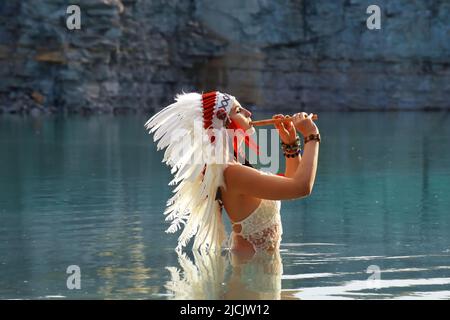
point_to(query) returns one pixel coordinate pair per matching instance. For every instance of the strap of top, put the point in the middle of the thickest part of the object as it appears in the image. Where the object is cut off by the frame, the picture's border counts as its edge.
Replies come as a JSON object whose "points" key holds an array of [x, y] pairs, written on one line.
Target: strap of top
{"points": [[246, 218]]}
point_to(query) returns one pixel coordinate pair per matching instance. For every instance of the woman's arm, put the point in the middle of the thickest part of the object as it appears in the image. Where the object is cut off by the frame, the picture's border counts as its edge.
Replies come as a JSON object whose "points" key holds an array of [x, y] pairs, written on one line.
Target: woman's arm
{"points": [[288, 135], [292, 165], [249, 181]]}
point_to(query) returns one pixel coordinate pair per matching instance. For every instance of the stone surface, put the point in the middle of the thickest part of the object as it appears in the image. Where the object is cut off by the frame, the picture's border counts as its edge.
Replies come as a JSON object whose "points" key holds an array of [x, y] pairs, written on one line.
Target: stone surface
{"points": [[286, 54]]}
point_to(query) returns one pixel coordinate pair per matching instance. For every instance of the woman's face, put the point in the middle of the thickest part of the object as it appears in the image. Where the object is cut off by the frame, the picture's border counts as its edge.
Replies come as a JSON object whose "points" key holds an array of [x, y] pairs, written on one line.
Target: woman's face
{"points": [[241, 115]]}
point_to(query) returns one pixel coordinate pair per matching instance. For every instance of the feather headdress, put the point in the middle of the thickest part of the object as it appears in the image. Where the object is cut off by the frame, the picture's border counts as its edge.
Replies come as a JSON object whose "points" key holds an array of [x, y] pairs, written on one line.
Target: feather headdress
{"points": [[193, 129]]}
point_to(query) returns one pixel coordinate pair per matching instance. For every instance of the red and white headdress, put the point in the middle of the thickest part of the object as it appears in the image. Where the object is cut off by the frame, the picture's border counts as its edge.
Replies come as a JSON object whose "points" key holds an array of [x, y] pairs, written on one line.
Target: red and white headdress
{"points": [[199, 147]]}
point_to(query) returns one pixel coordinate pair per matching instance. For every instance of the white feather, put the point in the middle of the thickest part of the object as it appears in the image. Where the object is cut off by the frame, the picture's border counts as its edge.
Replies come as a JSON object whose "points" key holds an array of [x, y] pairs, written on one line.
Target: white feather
{"points": [[193, 204]]}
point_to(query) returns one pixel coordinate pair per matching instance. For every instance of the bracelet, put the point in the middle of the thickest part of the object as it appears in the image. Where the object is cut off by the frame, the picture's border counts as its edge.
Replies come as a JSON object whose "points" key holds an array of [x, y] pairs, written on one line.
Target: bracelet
{"points": [[292, 155], [291, 150], [291, 147], [314, 136]]}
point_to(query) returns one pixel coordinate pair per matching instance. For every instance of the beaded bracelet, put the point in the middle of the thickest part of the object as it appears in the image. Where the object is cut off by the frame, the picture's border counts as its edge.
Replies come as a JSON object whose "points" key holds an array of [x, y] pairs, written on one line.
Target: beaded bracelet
{"points": [[291, 150], [312, 137], [292, 155], [291, 147]]}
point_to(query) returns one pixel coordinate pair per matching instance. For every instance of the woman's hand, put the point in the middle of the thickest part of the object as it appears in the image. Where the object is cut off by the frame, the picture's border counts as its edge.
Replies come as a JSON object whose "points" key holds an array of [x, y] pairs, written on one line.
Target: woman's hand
{"points": [[304, 123], [286, 129]]}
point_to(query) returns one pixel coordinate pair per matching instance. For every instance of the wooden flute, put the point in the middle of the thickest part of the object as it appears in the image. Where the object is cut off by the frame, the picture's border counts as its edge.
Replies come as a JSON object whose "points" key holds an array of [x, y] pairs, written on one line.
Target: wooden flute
{"points": [[266, 122]]}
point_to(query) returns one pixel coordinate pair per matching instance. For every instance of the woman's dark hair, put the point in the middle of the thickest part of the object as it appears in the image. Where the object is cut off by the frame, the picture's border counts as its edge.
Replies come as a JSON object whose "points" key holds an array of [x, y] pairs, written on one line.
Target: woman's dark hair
{"points": [[246, 163]]}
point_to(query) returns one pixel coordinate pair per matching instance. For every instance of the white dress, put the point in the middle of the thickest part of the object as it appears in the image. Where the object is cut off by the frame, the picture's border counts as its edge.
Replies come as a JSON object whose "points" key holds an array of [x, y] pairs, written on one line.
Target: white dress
{"points": [[262, 228], [260, 277]]}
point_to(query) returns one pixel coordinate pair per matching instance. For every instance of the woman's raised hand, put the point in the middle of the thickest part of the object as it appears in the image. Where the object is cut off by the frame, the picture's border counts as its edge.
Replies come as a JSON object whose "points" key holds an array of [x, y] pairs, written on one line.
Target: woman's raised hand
{"points": [[304, 123], [286, 129]]}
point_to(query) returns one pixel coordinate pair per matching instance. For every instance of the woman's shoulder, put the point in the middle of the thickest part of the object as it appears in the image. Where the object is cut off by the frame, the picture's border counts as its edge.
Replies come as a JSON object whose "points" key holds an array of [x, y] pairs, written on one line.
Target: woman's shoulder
{"points": [[239, 171], [233, 168], [237, 166]]}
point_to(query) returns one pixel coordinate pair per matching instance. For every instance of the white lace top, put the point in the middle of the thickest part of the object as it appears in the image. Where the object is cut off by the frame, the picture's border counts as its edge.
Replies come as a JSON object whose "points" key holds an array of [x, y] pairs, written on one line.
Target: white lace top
{"points": [[262, 228]]}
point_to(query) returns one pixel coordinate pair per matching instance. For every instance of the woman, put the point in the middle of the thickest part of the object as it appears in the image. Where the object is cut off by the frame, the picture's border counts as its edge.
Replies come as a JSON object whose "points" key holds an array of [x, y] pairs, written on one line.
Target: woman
{"points": [[251, 198]]}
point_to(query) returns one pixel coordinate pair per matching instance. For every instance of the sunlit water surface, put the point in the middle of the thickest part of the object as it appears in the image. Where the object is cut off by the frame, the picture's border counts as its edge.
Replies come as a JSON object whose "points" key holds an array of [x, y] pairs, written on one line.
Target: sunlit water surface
{"points": [[91, 192]]}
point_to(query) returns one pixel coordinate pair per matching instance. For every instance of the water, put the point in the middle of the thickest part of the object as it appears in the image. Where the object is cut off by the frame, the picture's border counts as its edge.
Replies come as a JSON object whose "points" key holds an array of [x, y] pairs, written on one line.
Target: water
{"points": [[91, 191]]}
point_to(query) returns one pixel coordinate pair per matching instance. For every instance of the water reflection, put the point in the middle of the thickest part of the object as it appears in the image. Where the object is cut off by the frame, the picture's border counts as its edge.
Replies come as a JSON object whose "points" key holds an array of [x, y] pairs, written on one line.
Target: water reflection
{"points": [[226, 276], [135, 273]]}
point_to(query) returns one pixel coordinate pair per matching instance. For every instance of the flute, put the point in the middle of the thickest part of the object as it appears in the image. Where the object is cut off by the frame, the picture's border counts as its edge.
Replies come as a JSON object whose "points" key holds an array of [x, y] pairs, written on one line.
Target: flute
{"points": [[266, 122]]}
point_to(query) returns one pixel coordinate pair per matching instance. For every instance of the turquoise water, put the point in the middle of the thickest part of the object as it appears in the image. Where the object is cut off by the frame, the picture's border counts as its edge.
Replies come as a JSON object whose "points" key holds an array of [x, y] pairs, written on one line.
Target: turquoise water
{"points": [[91, 191]]}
